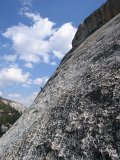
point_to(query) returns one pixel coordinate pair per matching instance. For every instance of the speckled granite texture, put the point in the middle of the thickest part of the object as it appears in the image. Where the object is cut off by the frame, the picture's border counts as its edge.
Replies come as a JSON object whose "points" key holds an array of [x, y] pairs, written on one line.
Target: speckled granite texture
{"points": [[77, 114]]}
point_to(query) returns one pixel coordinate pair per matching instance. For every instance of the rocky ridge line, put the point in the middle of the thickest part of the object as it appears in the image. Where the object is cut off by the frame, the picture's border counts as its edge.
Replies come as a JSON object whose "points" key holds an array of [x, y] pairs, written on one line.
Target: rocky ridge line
{"points": [[97, 19], [18, 106]]}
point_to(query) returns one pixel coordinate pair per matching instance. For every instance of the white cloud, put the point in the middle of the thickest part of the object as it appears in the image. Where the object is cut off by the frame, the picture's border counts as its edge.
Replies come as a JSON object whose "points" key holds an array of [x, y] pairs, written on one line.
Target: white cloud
{"points": [[9, 58], [32, 16], [29, 65], [53, 63], [14, 95], [41, 41], [61, 40], [1, 93], [41, 80], [26, 2], [5, 45], [26, 6], [28, 83], [13, 75], [26, 100]]}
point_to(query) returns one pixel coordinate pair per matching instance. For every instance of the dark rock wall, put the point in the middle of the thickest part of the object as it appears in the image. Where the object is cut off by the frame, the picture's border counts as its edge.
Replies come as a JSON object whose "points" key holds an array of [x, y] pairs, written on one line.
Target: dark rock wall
{"points": [[97, 19]]}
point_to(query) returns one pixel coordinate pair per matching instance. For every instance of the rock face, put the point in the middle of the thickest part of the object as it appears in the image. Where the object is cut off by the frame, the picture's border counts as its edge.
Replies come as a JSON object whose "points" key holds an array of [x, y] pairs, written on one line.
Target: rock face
{"points": [[8, 115], [18, 106], [77, 114], [97, 19]]}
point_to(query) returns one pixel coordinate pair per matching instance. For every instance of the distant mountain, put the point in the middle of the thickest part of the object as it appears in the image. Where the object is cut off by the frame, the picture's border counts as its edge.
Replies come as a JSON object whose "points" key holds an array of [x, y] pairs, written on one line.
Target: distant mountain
{"points": [[10, 111], [18, 106]]}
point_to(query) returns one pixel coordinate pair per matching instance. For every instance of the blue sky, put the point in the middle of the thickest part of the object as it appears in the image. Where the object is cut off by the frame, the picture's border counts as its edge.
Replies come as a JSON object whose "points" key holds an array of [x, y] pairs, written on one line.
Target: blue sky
{"points": [[34, 36]]}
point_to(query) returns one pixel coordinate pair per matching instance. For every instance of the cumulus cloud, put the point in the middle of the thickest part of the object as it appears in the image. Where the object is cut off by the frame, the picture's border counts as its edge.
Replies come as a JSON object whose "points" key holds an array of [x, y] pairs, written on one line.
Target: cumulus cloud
{"points": [[6, 45], [29, 65], [26, 100], [41, 81], [26, 5], [14, 95], [9, 58], [13, 75], [60, 41], [26, 2], [41, 40], [1, 93]]}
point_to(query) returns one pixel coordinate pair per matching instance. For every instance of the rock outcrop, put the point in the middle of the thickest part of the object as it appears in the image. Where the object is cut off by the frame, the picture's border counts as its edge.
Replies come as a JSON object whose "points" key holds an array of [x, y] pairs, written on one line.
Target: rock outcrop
{"points": [[97, 19], [16, 105], [9, 114], [77, 114]]}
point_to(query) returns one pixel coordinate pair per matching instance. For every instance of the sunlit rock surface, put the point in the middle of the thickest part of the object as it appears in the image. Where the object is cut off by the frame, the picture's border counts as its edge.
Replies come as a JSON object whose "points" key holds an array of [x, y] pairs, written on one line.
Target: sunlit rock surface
{"points": [[97, 19], [16, 105], [77, 114], [10, 111]]}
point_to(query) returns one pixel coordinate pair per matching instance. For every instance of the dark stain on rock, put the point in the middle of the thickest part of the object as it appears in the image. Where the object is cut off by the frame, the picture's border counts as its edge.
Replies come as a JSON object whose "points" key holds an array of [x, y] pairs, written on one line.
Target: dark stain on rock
{"points": [[95, 95], [45, 150], [98, 96], [106, 156], [97, 155]]}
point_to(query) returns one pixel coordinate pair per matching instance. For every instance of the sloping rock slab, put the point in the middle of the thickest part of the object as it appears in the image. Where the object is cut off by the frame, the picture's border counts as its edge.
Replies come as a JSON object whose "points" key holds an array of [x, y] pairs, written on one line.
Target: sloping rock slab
{"points": [[77, 114]]}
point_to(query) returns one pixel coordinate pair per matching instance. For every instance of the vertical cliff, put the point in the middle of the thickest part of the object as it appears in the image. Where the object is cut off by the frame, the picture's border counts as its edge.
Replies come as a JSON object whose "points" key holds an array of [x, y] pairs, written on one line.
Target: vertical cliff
{"points": [[77, 114], [97, 19]]}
